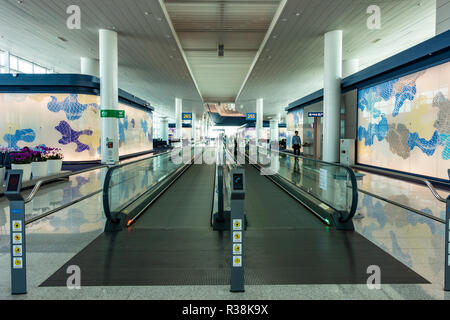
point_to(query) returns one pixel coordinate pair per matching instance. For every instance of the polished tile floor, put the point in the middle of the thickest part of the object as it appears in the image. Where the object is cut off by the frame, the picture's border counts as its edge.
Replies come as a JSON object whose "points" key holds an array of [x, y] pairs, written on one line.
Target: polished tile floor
{"points": [[52, 241]]}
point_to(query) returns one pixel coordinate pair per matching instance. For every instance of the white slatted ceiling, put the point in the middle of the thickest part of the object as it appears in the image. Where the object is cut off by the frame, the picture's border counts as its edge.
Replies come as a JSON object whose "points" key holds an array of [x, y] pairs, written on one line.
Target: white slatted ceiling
{"points": [[150, 64], [292, 64], [239, 26]]}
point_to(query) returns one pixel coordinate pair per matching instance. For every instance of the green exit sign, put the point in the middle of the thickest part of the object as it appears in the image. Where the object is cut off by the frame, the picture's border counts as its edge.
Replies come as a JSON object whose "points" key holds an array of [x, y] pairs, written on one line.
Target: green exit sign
{"points": [[112, 114]]}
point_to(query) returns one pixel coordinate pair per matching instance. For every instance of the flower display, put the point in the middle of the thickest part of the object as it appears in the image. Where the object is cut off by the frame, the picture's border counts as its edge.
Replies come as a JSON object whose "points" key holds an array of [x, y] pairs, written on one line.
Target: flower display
{"points": [[23, 156], [54, 154]]}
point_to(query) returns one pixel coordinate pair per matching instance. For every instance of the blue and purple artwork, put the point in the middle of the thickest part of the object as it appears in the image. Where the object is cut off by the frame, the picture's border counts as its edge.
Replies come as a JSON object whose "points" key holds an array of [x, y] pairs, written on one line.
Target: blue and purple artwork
{"points": [[71, 136], [26, 135], [73, 109]]}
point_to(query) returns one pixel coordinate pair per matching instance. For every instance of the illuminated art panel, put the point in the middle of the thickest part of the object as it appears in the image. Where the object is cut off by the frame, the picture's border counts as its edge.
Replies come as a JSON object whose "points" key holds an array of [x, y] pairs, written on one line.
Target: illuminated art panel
{"points": [[70, 122], [404, 124]]}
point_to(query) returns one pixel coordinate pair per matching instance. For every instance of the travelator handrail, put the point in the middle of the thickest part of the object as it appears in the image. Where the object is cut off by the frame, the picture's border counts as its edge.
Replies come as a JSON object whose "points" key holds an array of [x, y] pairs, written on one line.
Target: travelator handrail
{"points": [[434, 191], [416, 180], [106, 206], [354, 204], [39, 184]]}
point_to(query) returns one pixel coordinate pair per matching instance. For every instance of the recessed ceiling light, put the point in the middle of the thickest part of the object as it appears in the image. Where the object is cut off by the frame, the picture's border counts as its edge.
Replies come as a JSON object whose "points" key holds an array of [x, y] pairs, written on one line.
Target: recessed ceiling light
{"points": [[284, 19], [147, 13], [297, 14], [159, 18], [274, 37], [20, 2]]}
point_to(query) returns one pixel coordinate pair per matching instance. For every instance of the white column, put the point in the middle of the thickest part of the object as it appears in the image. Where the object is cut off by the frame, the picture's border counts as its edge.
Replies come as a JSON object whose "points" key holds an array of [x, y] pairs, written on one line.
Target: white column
{"points": [[350, 67], [194, 129], [332, 95], [274, 132], [259, 118], [109, 95], [442, 16], [178, 114], [8, 60], [89, 66], [165, 130]]}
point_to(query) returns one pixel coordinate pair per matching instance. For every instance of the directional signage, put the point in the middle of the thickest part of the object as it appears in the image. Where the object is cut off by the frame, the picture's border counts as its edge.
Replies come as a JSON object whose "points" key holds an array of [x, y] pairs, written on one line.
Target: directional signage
{"points": [[250, 117], [112, 114], [315, 114], [186, 116]]}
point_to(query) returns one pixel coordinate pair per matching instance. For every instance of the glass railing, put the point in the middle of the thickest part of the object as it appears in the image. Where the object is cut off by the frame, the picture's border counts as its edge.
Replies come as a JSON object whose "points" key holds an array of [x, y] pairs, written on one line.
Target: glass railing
{"points": [[126, 183], [334, 185]]}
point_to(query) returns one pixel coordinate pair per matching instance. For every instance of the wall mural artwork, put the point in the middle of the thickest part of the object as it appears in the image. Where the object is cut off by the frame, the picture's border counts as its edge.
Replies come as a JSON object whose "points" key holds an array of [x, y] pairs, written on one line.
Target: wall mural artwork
{"points": [[70, 122], [404, 124]]}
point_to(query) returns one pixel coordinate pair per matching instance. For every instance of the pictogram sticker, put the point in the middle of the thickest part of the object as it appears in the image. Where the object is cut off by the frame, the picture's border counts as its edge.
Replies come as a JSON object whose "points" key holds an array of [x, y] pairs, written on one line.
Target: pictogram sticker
{"points": [[237, 261], [237, 249], [237, 224], [17, 251], [17, 238], [17, 263], [237, 236], [17, 226]]}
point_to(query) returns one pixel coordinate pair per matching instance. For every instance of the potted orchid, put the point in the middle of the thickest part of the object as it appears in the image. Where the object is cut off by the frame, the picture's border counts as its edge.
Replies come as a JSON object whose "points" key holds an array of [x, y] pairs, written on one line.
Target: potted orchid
{"points": [[21, 160], [54, 158], [39, 166]]}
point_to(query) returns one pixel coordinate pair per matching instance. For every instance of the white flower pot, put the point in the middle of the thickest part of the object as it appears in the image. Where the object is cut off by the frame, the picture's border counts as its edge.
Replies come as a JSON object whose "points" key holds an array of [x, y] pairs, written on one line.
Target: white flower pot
{"points": [[39, 169], [2, 176], [26, 170], [54, 166]]}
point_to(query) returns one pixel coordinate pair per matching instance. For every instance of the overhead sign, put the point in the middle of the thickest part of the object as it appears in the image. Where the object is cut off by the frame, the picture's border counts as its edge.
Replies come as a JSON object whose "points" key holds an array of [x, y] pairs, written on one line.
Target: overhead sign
{"points": [[250, 117], [186, 116], [315, 114], [112, 114]]}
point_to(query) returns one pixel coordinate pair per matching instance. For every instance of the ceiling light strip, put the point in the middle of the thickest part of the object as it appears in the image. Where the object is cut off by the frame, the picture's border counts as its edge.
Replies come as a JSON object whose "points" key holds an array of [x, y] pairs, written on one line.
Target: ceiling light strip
{"points": [[263, 44]]}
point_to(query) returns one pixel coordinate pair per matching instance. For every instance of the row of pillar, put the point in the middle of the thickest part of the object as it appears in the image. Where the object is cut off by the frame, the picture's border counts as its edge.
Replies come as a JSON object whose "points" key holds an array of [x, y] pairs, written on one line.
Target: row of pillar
{"points": [[106, 68], [108, 72]]}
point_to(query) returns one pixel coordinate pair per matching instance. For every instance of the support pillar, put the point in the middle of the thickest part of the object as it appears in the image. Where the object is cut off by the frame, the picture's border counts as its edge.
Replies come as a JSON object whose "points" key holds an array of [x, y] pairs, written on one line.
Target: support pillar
{"points": [[350, 67], [89, 66], [178, 120], [109, 95], [194, 129], [332, 95], [274, 132], [259, 119], [165, 130]]}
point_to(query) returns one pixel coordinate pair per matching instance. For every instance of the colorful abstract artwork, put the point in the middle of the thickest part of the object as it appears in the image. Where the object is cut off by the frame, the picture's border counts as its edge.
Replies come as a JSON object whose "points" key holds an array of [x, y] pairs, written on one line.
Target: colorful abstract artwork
{"points": [[404, 124], [70, 122]]}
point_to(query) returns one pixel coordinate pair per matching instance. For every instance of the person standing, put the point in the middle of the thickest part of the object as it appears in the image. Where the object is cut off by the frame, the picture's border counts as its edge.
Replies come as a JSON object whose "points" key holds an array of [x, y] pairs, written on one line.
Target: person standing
{"points": [[296, 143]]}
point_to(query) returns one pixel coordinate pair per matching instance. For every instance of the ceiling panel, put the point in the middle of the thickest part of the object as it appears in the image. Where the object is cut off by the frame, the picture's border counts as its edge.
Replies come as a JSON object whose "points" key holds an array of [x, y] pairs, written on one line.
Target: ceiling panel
{"points": [[238, 25], [150, 63], [291, 63]]}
